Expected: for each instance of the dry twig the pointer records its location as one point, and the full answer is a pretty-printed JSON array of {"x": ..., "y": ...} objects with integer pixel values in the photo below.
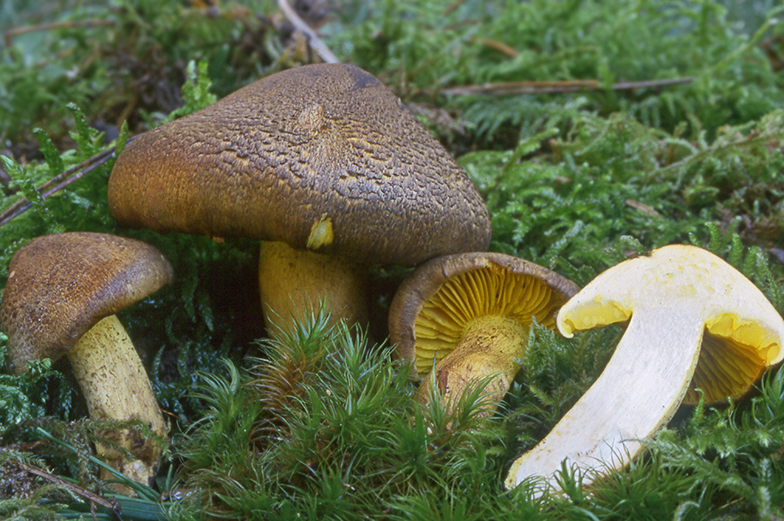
[
  {"x": 59, "y": 181},
  {"x": 552, "y": 87},
  {"x": 89, "y": 495},
  {"x": 315, "y": 42}
]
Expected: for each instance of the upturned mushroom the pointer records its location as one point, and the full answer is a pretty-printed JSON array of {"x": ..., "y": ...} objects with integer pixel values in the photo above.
[
  {"x": 694, "y": 323},
  {"x": 465, "y": 318},
  {"x": 325, "y": 165},
  {"x": 62, "y": 294}
]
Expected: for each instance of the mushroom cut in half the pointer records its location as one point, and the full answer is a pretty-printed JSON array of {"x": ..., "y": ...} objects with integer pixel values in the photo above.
[
  {"x": 322, "y": 163},
  {"x": 62, "y": 294},
  {"x": 464, "y": 319},
  {"x": 693, "y": 323}
]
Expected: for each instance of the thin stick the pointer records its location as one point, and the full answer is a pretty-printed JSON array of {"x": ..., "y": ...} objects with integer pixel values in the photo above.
[
  {"x": 454, "y": 5},
  {"x": 548, "y": 87},
  {"x": 631, "y": 85},
  {"x": 315, "y": 42},
  {"x": 60, "y": 181},
  {"x": 50, "y": 26},
  {"x": 500, "y": 47},
  {"x": 89, "y": 495}
]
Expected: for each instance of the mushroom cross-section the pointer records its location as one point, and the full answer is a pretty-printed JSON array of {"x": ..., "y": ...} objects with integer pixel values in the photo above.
[
  {"x": 465, "y": 318},
  {"x": 324, "y": 164},
  {"x": 62, "y": 294},
  {"x": 694, "y": 322}
]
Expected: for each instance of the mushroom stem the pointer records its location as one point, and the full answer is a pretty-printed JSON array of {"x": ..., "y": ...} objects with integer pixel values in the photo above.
[
  {"x": 637, "y": 393},
  {"x": 115, "y": 386},
  {"x": 294, "y": 282},
  {"x": 491, "y": 347}
]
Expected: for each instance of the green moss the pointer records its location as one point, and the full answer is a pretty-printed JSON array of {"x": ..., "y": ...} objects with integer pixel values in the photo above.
[{"x": 319, "y": 422}]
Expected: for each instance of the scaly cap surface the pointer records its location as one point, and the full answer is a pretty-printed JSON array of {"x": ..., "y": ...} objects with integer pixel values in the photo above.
[
  {"x": 60, "y": 285},
  {"x": 321, "y": 157}
]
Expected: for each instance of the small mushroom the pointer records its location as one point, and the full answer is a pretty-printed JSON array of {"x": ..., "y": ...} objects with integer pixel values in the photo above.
[
  {"x": 325, "y": 165},
  {"x": 465, "y": 318},
  {"x": 60, "y": 299},
  {"x": 694, "y": 322}
]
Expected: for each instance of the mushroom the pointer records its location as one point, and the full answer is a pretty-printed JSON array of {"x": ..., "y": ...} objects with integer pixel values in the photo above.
[
  {"x": 61, "y": 297},
  {"x": 325, "y": 165},
  {"x": 694, "y": 322},
  {"x": 465, "y": 318}
]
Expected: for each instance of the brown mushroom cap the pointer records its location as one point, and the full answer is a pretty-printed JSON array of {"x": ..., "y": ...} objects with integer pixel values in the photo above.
[
  {"x": 321, "y": 157},
  {"x": 433, "y": 307},
  {"x": 60, "y": 285}
]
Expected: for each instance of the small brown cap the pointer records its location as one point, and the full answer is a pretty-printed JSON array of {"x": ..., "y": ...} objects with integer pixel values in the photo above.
[
  {"x": 59, "y": 286},
  {"x": 434, "y": 305},
  {"x": 321, "y": 157}
]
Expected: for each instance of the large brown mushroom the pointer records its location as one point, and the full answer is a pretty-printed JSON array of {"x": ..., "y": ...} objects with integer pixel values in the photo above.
[
  {"x": 324, "y": 164},
  {"x": 464, "y": 319},
  {"x": 62, "y": 294}
]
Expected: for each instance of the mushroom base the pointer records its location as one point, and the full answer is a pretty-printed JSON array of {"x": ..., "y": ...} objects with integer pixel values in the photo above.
[
  {"x": 115, "y": 387},
  {"x": 488, "y": 353},
  {"x": 294, "y": 283}
]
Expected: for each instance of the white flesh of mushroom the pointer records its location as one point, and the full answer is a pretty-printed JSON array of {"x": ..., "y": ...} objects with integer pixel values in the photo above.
[{"x": 671, "y": 297}]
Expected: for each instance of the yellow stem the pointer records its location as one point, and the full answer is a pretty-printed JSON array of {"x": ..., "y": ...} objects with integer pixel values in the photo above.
[
  {"x": 115, "y": 386},
  {"x": 294, "y": 283},
  {"x": 491, "y": 347}
]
